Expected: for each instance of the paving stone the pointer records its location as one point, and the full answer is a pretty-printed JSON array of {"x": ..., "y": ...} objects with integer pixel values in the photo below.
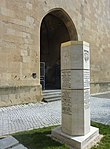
[
  {"x": 100, "y": 110},
  {"x": 24, "y": 117},
  {"x": 8, "y": 142}
]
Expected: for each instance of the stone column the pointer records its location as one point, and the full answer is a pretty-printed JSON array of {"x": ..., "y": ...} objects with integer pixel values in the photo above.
[
  {"x": 75, "y": 76},
  {"x": 75, "y": 87}
]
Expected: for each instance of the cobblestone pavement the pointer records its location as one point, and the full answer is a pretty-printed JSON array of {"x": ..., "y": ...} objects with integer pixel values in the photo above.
[
  {"x": 26, "y": 117},
  {"x": 100, "y": 110}
]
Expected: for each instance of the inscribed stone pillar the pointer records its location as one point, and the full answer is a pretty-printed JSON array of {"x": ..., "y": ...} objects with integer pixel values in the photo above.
[
  {"x": 75, "y": 85},
  {"x": 75, "y": 129}
]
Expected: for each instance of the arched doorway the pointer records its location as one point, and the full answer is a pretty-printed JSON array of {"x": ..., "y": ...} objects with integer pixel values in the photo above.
[{"x": 56, "y": 28}]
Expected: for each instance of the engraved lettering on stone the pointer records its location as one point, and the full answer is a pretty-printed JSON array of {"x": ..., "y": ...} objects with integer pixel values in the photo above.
[
  {"x": 87, "y": 99},
  {"x": 66, "y": 57},
  {"x": 86, "y": 78},
  {"x": 66, "y": 103},
  {"x": 66, "y": 79}
]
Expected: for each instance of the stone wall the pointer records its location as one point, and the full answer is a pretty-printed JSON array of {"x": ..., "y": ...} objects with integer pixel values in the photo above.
[
  {"x": 17, "y": 95},
  {"x": 92, "y": 22},
  {"x": 19, "y": 53},
  {"x": 20, "y": 22}
]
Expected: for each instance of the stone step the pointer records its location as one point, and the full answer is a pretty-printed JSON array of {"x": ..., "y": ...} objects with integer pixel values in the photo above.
[
  {"x": 52, "y": 99},
  {"x": 19, "y": 146},
  {"x": 10, "y": 143},
  {"x": 51, "y": 95},
  {"x": 52, "y": 91}
]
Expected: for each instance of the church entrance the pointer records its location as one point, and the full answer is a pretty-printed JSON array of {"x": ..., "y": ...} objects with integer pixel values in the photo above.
[{"x": 56, "y": 28}]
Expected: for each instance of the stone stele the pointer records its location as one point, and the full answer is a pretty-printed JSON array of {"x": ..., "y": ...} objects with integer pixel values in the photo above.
[{"x": 75, "y": 130}]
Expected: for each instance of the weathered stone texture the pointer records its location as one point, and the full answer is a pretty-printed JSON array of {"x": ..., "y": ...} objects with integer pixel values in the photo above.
[
  {"x": 20, "y": 22},
  {"x": 17, "y": 95}
]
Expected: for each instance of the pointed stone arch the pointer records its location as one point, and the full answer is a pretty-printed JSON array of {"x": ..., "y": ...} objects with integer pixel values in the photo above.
[{"x": 56, "y": 27}]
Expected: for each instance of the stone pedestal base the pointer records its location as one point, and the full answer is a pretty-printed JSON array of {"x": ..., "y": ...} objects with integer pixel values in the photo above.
[{"x": 77, "y": 142}]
